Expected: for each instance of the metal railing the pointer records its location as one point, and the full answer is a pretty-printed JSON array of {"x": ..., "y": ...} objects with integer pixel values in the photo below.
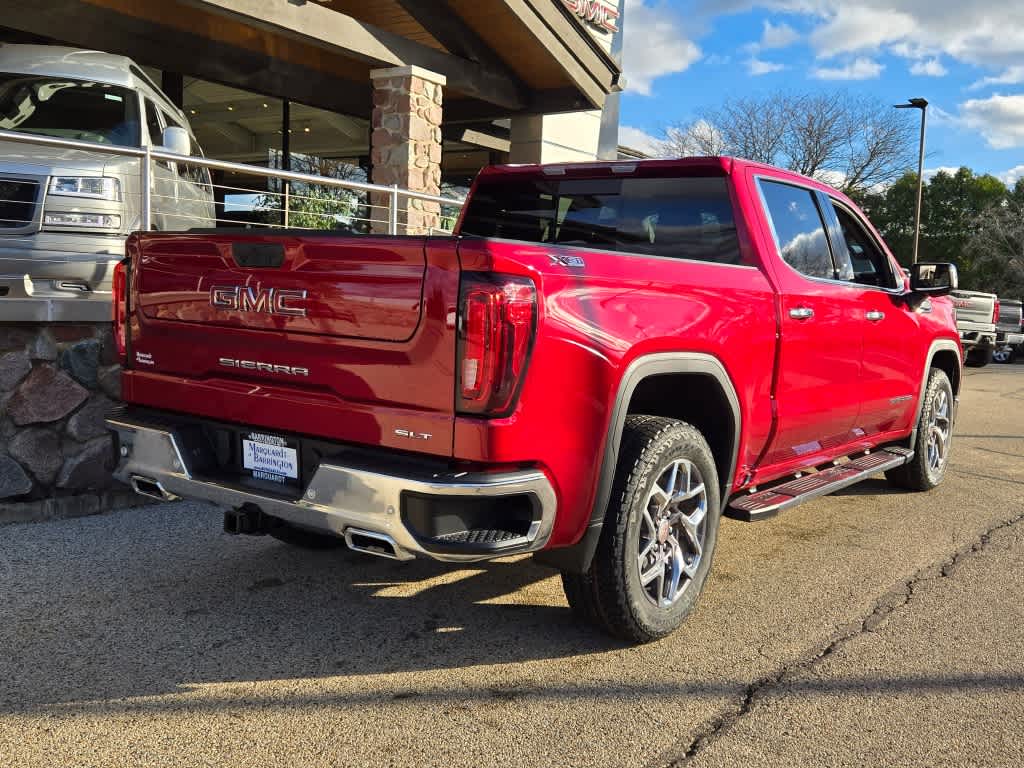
[{"x": 304, "y": 201}]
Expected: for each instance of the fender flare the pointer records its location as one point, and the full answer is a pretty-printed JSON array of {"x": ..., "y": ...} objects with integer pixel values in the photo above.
[
  {"x": 577, "y": 558},
  {"x": 938, "y": 345}
]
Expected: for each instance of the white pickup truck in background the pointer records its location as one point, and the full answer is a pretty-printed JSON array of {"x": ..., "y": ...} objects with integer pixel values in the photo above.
[
  {"x": 976, "y": 316},
  {"x": 1009, "y": 331}
]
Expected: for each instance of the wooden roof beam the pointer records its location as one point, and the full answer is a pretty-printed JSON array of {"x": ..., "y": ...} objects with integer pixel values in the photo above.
[{"x": 342, "y": 34}]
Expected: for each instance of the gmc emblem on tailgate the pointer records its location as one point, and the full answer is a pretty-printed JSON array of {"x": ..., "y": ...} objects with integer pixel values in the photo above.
[{"x": 267, "y": 301}]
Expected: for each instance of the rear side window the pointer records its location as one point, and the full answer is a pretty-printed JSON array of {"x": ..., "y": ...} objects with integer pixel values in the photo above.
[
  {"x": 799, "y": 230},
  {"x": 681, "y": 217}
]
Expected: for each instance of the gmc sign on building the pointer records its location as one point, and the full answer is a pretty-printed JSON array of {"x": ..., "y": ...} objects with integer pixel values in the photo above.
[{"x": 595, "y": 13}]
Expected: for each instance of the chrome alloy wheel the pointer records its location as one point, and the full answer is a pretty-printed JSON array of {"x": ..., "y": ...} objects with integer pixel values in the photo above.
[
  {"x": 672, "y": 533},
  {"x": 939, "y": 429}
]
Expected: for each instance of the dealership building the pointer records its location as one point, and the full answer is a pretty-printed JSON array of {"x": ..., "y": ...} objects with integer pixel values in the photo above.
[{"x": 412, "y": 91}]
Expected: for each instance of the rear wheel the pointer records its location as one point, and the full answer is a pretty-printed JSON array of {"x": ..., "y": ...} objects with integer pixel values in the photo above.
[
  {"x": 978, "y": 358},
  {"x": 1004, "y": 354},
  {"x": 934, "y": 438},
  {"x": 658, "y": 537}
]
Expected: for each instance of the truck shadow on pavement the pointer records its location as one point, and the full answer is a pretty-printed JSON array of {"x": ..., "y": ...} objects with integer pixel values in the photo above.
[{"x": 142, "y": 602}]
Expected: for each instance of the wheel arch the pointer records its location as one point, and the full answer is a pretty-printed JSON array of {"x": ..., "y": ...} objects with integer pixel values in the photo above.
[
  {"x": 643, "y": 388},
  {"x": 944, "y": 354}
]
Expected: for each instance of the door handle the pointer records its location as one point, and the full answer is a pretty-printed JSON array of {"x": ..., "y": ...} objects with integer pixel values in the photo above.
[
  {"x": 874, "y": 315},
  {"x": 801, "y": 313}
]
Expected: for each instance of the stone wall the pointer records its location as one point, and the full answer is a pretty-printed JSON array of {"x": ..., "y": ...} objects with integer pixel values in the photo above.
[{"x": 57, "y": 383}]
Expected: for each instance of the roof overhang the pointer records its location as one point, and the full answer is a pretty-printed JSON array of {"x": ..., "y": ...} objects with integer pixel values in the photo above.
[{"x": 500, "y": 57}]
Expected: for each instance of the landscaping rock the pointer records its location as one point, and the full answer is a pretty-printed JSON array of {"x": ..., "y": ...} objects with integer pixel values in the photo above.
[
  {"x": 90, "y": 420},
  {"x": 110, "y": 381},
  {"x": 82, "y": 361},
  {"x": 13, "y": 480},
  {"x": 67, "y": 332},
  {"x": 108, "y": 350},
  {"x": 16, "y": 337},
  {"x": 38, "y": 450},
  {"x": 14, "y": 366},
  {"x": 43, "y": 347},
  {"x": 45, "y": 395},
  {"x": 90, "y": 469}
]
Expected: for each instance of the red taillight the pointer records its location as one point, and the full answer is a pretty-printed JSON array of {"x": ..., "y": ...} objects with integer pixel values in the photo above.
[
  {"x": 120, "y": 307},
  {"x": 995, "y": 312},
  {"x": 498, "y": 316}
]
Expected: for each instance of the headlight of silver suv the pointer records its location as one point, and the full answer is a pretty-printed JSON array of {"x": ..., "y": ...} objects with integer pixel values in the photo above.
[{"x": 95, "y": 187}]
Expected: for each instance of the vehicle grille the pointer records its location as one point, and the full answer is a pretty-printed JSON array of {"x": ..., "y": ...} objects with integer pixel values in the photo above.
[{"x": 17, "y": 203}]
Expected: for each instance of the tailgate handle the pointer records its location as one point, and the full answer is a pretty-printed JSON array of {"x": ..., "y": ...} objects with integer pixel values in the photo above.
[{"x": 258, "y": 254}]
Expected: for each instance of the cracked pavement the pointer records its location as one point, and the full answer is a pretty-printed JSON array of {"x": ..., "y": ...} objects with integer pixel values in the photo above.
[{"x": 870, "y": 626}]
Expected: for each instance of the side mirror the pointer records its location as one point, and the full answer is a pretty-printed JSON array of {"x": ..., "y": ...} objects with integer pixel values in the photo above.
[
  {"x": 177, "y": 140},
  {"x": 936, "y": 279}
]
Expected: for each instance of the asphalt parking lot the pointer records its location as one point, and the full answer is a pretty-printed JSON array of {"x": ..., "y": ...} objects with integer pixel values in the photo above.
[{"x": 871, "y": 627}]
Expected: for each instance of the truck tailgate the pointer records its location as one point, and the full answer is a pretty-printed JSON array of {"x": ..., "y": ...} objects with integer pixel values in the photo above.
[
  {"x": 345, "y": 338},
  {"x": 973, "y": 307}
]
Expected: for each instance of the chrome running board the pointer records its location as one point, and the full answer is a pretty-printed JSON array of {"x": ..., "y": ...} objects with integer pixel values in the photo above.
[{"x": 770, "y": 501}]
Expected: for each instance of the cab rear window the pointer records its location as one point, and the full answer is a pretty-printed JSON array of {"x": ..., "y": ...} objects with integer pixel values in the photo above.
[{"x": 682, "y": 217}]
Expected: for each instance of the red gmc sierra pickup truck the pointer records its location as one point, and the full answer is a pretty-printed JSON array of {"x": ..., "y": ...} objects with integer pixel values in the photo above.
[{"x": 603, "y": 360}]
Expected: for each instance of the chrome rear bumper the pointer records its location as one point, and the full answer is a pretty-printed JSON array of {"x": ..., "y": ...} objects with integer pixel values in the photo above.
[{"x": 154, "y": 460}]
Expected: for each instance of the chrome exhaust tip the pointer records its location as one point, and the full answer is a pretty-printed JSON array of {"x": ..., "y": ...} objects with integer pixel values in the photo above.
[
  {"x": 372, "y": 543},
  {"x": 145, "y": 486}
]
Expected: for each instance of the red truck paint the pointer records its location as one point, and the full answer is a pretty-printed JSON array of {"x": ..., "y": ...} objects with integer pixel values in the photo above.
[{"x": 378, "y": 339}]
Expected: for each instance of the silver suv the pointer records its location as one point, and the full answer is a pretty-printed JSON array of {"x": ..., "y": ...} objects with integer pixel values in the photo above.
[{"x": 65, "y": 213}]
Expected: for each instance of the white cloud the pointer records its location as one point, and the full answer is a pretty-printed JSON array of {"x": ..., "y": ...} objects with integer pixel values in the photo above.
[
  {"x": 1000, "y": 119},
  {"x": 655, "y": 44},
  {"x": 855, "y": 28},
  {"x": 756, "y": 67},
  {"x": 1009, "y": 76},
  {"x": 928, "y": 68},
  {"x": 987, "y": 34},
  {"x": 778, "y": 35},
  {"x": 634, "y": 138},
  {"x": 859, "y": 69},
  {"x": 1012, "y": 176},
  {"x": 931, "y": 173}
]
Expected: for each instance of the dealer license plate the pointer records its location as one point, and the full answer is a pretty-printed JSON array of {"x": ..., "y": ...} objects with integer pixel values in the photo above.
[{"x": 270, "y": 457}]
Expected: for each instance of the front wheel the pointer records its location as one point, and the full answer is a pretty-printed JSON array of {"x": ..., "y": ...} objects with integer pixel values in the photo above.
[
  {"x": 934, "y": 438},
  {"x": 1004, "y": 354},
  {"x": 659, "y": 533}
]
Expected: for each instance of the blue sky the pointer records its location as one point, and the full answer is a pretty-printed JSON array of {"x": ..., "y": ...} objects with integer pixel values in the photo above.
[{"x": 966, "y": 57}]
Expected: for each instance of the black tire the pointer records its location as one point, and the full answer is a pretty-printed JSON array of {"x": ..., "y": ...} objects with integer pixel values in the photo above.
[
  {"x": 610, "y": 594},
  {"x": 922, "y": 473},
  {"x": 978, "y": 358},
  {"x": 304, "y": 539}
]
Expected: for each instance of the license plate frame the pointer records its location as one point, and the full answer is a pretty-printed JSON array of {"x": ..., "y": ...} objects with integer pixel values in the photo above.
[{"x": 270, "y": 458}]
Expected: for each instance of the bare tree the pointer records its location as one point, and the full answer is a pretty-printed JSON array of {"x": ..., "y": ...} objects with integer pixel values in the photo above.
[{"x": 836, "y": 137}]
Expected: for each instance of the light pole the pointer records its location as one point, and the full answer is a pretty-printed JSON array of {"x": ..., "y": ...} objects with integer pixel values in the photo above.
[{"x": 921, "y": 104}]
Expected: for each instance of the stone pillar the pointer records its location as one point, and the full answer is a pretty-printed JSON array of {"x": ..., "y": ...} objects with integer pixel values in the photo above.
[{"x": 405, "y": 144}]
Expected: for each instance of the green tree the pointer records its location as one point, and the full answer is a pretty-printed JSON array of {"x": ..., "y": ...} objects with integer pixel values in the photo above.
[{"x": 955, "y": 208}]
